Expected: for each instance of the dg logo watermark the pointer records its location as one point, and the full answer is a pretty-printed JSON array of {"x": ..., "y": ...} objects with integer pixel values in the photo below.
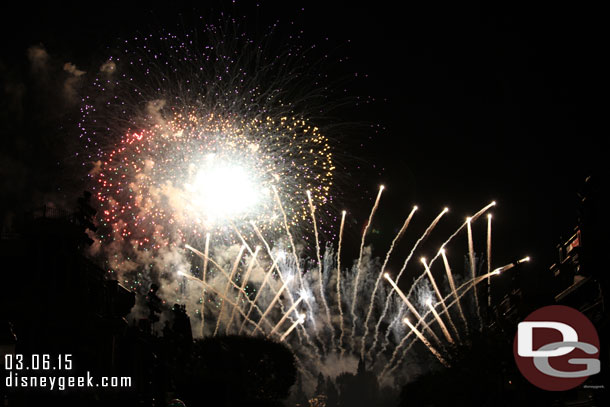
[{"x": 557, "y": 348}]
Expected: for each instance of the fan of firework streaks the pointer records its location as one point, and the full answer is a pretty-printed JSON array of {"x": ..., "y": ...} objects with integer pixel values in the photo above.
[{"x": 331, "y": 316}]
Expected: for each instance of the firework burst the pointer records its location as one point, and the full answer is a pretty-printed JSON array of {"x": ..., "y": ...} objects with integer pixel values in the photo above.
[
  {"x": 202, "y": 133},
  {"x": 209, "y": 171},
  {"x": 191, "y": 175}
]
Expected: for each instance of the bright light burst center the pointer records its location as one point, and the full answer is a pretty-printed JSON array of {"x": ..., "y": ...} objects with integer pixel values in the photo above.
[{"x": 223, "y": 190}]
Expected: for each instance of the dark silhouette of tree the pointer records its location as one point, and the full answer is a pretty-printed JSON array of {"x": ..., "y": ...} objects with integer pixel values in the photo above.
[
  {"x": 299, "y": 396},
  {"x": 361, "y": 389},
  {"x": 321, "y": 386},
  {"x": 154, "y": 304},
  {"x": 84, "y": 217},
  {"x": 332, "y": 395},
  {"x": 361, "y": 367},
  {"x": 237, "y": 371}
]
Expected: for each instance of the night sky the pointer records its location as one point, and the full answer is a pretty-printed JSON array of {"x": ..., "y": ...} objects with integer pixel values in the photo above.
[{"x": 478, "y": 102}]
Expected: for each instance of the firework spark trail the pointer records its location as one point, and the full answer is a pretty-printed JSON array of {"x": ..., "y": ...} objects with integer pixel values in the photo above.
[
  {"x": 222, "y": 270},
  {"x": 508, "y": 266},
  {"x": 473, "y": 218},
  {"x": 241, "y": 237},
  {"x": 285, "y": 316},
  {"x": 281, "y": 277},
  {"x": 197, "y": 252},
  {"x": 473, "y": 271},
  {"x": 244, "y": 282},
  {"x": 428, "y": 345},
  {"x": 388, "y": 369},
  {"x": 438, "y": 294},
  {"x": 274, "y": 300},
  {"x": 235, "y": 306},
  {"x": 382, "y": 270},
  {"x": 489, "y": 260},
  {"x": 466, "y": 286},
  {"x": 441, "y": 251},
  {"x": 358, "y": 266},
  {"x": 228, "y": 286},
  {"x": 202, "y": 256},
  {"x": 269, "y": 252},
  {"x": 320, "y": 276},
  {"x": 453, "y": 290},
  {"x": 293, "y": 326},
  {"x": 386, "y": 341},
  {"x": 227, "y": 276},
  {"x": 440, "y": 322},
  {"x": 422, "y": 238},
  {"x": 298, "y": 268},
  {"x": 278, "y": 293},
  {"x": 411, "y": 307},
  {"x": 380, "y": 320},
  {"x": 258, "y": 293},
  {"x": 203, "y": 277},
  {"x": 340, "y": 346},
  {"x": 290, "y": 238}
]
